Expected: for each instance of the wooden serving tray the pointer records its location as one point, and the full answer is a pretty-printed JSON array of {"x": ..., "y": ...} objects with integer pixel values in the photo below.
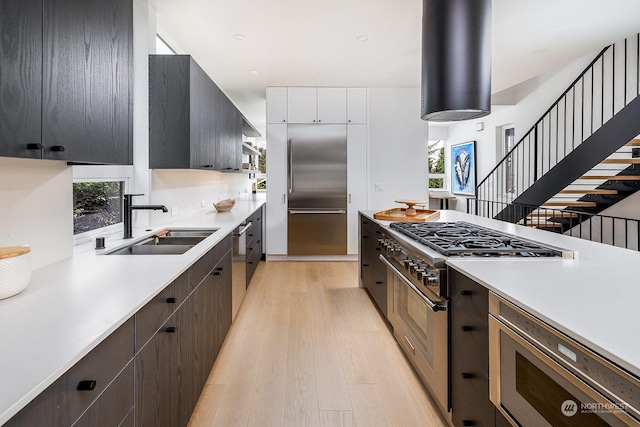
[{"x": 398, "y": 214}]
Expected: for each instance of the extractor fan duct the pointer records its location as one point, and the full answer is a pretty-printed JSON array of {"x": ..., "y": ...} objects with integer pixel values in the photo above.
[{"x": 456, "y": 59}]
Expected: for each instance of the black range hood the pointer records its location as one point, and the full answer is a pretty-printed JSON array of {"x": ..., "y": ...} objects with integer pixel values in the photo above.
[{"x": 456, "y": 59}]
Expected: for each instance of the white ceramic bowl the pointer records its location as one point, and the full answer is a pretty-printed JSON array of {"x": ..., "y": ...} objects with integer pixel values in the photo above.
[{"x": 15, "y": 270}]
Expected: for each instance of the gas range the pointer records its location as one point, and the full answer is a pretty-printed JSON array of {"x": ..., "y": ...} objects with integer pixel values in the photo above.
[{"x": 465, "y": 239}]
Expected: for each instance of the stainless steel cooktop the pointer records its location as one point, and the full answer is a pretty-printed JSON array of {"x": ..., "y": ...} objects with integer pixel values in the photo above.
[{"x": 465, "y": 239}]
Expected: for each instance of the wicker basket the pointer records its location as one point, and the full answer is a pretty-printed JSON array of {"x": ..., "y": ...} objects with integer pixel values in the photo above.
[{"x": 15, "y": 270}]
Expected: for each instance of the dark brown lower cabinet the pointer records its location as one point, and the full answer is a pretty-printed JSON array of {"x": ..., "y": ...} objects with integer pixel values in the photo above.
[
  {"x": 210, "y": 315},
  {"x": 114, "y": 405},
  {"x": 162, "y": 375},
  {"x": 469, "y": 383}
]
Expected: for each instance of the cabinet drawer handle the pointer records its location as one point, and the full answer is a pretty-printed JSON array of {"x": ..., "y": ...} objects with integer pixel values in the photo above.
[
  {"x": 379, "y": 282},
  {"x": 468, "y": 423},
  {"x": 219, "y": 268},
  {"x": 249, "y": 262},
  {"x": 465, "y": 293},
  {"x": 467, "y": 375},
  {"x": 170, "y": 329},
  {"x": 413, "y": 349},
  {"x": 216, "y": 273},
  {"x": 467, "y": 328},
  {"x": 365, "y": 265},
  {"x": 171, "y": 300},
  {"x": 57, "y": 148},
  {"x": 86, "y": 385},
  {"x": 34, "y": 146}
]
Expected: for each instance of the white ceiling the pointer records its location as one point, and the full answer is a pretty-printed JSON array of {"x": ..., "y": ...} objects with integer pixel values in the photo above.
[{"x": 314, "y": 43}]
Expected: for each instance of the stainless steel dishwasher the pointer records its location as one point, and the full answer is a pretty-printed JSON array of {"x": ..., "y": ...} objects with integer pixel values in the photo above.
[{"x": 239, "y": 266}]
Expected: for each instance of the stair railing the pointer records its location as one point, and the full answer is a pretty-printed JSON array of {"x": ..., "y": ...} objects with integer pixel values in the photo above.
[
  {"x": 591, "y": 100},
  {"x": 610, "y": 230}
]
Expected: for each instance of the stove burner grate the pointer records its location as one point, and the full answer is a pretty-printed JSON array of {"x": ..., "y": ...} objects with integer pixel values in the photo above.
[{"x": 464, "y": 239}]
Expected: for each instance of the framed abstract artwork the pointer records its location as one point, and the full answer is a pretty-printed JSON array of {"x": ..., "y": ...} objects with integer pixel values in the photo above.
[{"x": 463, "y": 168}]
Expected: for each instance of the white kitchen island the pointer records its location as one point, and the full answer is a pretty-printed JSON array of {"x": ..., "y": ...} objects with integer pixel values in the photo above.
[{"x": 592, "y": 298}]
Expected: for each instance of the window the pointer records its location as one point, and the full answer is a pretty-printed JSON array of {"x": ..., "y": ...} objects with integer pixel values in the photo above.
[
  {"x": 96, "y": 205},
  {"x": 509, "y": 139},
  {"x": 97, "y": 200},
  {"x": 436, "y": 162},
  {"x": 162, "y": 48}
]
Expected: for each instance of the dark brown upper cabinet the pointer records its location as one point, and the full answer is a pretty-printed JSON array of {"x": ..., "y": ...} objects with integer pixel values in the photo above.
[
  {"x": 20, "y": 78},
  {"x": 192, "y": 123},
  {"x": 67, "y": 92}
]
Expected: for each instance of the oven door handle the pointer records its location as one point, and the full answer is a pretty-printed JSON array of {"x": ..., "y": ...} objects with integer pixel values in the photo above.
[{"x": 432, "y": 305}]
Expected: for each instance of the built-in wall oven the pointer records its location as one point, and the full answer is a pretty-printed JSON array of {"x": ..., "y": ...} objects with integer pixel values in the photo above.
[
  {"x": 418, "y": 313},
  {"x": 540, "y": 377}
]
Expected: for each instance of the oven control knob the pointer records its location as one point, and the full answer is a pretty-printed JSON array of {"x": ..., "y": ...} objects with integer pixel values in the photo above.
[
  {"x": 431, "y": 280},
  {"x": 420, "y": 274},
  {"x": 407, "y": 263}
]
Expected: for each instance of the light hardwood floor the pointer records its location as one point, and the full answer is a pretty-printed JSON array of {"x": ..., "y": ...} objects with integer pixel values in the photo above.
[{"x": 308, "y": 348}]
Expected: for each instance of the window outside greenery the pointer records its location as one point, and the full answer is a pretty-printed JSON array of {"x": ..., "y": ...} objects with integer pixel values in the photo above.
[
  {"x": 96, "y": 205},
  {"x": 436, "y": 159}
]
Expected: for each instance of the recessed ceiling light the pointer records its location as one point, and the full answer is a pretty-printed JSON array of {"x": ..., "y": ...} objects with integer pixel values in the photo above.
[
  {"x": 239, "y": 36},
  {"x": 254, "y": 72},
  {"x": 363, "y": 38}
]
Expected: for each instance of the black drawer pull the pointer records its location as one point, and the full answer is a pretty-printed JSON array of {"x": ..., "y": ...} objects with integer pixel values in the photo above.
[
  {"x": 219, "y": 268},
  {"x": 249, "y": 262},
  {"x": 171, "y": 300},
  {"x": 465, "y": 293},
  {"x": 57, "y": 148},
  {"x": 87, "y": 385},
  {"x": 365, "y": 265},
  {"x": 216, "y": 273},
  {"x": 379, "y": 282},
  {"x": 250, "y": 235},
  {"x": 170, "y": 329},
  {"x": 365, "y": 237},
  {"x": 468, "y": 423},
  {"x": 467, "y": 375},
  {"x": 466, "y": 328},
  {"x": 34, "y": 146}
]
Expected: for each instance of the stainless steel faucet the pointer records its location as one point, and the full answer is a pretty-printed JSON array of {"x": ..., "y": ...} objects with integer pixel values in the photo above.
[{"x": 128, "y": 209}]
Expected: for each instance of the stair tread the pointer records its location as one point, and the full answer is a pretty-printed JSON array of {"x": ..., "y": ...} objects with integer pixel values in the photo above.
[
  {"x": 571, "y": 203},
  {"x": 612, "y": 178},
  {"x": 541, "y": 224},
  {"x": 621, "y": 161},
  {"x": 553, "y": 214},
  {"x": 633, "y": 143},
  {"x": 595, "y": 191}
]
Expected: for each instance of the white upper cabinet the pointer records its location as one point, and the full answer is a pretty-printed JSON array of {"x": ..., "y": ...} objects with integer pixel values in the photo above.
[
  {"x": 316, "y": 105},
  {"x": 332, "y": 105},
  {"x": 302, "y": 104},
  {"x": 276, "y": 105},
  {"x": 357, "y": 105}
]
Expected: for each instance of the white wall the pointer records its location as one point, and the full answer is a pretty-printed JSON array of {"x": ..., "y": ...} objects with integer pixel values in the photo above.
[
  {"x": 398, "y": 141},
  {"x": 189, "y": 189},
  {"x": 36, "y": 208},
  {"x": 523, "y": 115}
]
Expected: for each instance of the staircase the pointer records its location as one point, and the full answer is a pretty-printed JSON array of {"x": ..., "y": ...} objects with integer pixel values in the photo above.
[
  {"x": 609, "y": 182},
  {"x": 578, "y": 159}
]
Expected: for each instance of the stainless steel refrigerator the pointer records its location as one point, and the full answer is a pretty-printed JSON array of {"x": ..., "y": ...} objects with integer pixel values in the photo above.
[{"x": 317, "y": 174}]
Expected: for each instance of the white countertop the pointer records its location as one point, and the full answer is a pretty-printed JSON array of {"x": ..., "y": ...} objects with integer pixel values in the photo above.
[
  {"x": 70, "y": 306},
  {"x": 594, "y": 298}
]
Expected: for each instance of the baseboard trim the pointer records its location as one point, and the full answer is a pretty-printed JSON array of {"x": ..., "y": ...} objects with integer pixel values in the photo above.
[{"x": 350, "y": 258}]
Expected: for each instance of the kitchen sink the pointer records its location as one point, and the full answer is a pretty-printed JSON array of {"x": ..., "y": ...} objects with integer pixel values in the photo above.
[{"x": 166, "y": 242}]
